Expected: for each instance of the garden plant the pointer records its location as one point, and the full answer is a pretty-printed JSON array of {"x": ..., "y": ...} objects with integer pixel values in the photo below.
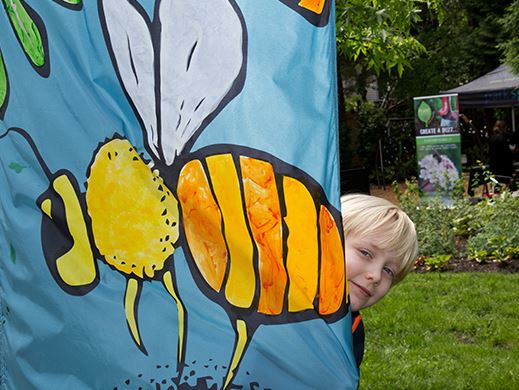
[{"x": 463, "y": 232}]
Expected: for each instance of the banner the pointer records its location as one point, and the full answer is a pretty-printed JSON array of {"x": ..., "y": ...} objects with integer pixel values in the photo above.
[
  {"x": 438, "y": 143},
  {"x": 164, "y": 220}
]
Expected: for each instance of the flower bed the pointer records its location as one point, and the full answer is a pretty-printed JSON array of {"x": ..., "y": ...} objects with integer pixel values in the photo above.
[{"x": 463, "y": 236}]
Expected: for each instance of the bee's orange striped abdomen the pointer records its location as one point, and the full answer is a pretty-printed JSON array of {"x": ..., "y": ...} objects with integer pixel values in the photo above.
[
  {"x": 202, "y": 224},
  {"x": 261, "y": 239},
  {"x": 302, "y": 245},
  {"x": 241, "y": 282},
  {"x": 264, "y": 213},
  {"x": 332, "y": 273}
]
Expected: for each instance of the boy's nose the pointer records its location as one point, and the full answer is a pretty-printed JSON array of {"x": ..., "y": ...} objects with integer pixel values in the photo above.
[{"x": 374, "y": 275}]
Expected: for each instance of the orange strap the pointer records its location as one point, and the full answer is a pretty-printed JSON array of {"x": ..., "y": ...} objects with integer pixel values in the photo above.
[{"x": 356, "y": 323}]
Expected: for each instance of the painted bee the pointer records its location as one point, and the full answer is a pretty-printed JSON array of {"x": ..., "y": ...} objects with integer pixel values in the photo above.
[{"x": 260, "y": 237}]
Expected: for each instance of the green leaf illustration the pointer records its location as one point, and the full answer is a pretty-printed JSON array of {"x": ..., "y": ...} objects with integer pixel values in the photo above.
[
  {"x": 3, "y": 84},
  {"x": 27, "y": 31},
  {"x": 424, "y": 113},
  {"x": 17, "y": 167},
  {"x": 12, "y": 254}
]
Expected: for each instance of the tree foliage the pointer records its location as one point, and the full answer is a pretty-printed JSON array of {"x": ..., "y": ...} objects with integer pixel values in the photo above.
[
  {"x": 415, "y": 48},
  {"x": 463, "y": 47},
  {"x": 510, "y": 46},
  {"x": 380, "y": 34},
  {"x": 443, "y": 43}
]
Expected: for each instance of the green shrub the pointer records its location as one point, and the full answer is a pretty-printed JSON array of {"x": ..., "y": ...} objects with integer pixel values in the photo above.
[
  {"x": 490, "y": 227},
  {"x": 497, "y": 231},
  {"x": 437, "y": 262},
  {"x": 433, "y": 221}
]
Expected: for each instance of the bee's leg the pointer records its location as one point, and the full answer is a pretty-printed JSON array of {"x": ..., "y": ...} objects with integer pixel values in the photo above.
[
  {"x": 131, "y": 296},
  {"x": 182, "y": 319},
  {"x": 243, "y": 337},
  {"x": 64, "y": 235}
]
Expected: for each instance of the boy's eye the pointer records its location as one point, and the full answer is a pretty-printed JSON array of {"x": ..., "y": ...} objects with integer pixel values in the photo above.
[
  {"x": 389, "y": 271},
  {"x": 365, "y": 253}
]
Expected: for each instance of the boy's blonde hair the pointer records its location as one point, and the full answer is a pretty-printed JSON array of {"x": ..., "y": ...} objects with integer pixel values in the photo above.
[{"x": 365, "y": 214}]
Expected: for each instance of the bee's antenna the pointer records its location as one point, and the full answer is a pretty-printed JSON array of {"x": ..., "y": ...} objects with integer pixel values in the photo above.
[{"x": 34, "y": 149}]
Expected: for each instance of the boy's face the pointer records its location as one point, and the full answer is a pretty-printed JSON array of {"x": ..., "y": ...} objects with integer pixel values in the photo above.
[{"x": 370, "y": 270}]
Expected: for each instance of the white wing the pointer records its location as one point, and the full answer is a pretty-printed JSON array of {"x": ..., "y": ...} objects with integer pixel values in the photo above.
[
  {"x": 201, "y": 55},
  {"x": 132, "y": 49}
]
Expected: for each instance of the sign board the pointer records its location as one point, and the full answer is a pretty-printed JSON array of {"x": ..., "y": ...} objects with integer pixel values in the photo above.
[{"x": 438, "y": 143}]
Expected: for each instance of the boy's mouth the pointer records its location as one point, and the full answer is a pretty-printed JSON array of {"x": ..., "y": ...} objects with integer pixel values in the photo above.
[{"x": 364, "y": 290}]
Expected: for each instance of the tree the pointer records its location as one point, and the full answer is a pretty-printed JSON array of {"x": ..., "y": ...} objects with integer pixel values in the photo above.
[
  {"x": 380, "y": 34},
  {"x": 373, "y": 37},
  {"x": 510, "y": 46},
  {"x": 415, "y": 48},
  {"x": 460, "y": 49}
]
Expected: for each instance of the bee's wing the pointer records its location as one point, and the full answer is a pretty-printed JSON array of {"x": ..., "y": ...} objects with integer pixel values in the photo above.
[
  {"x": 201, "y": 59},
  {"x": 128, "y": 35}
]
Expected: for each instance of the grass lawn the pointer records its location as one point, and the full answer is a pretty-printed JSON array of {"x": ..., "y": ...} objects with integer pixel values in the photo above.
[{"x": 444, "y": 331}]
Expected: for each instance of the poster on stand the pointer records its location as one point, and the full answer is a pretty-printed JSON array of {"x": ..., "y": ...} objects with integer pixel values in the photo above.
[{"x": 438, "y": 143}]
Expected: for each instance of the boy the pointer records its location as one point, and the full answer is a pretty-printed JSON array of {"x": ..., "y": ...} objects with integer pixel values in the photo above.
[{"x": 381, "y": 247}]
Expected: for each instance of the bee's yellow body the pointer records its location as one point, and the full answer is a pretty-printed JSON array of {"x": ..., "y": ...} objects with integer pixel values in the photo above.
[{"x": 134, "y": 215}]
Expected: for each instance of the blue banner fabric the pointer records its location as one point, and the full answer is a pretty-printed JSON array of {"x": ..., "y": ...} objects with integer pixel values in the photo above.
[{"x": 169, "y": 196}]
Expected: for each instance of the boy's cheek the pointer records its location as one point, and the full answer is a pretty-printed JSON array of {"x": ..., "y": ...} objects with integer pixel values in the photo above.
[
  {"x": 382, "y": 294},
  {"x": 354, "y": 304}
]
